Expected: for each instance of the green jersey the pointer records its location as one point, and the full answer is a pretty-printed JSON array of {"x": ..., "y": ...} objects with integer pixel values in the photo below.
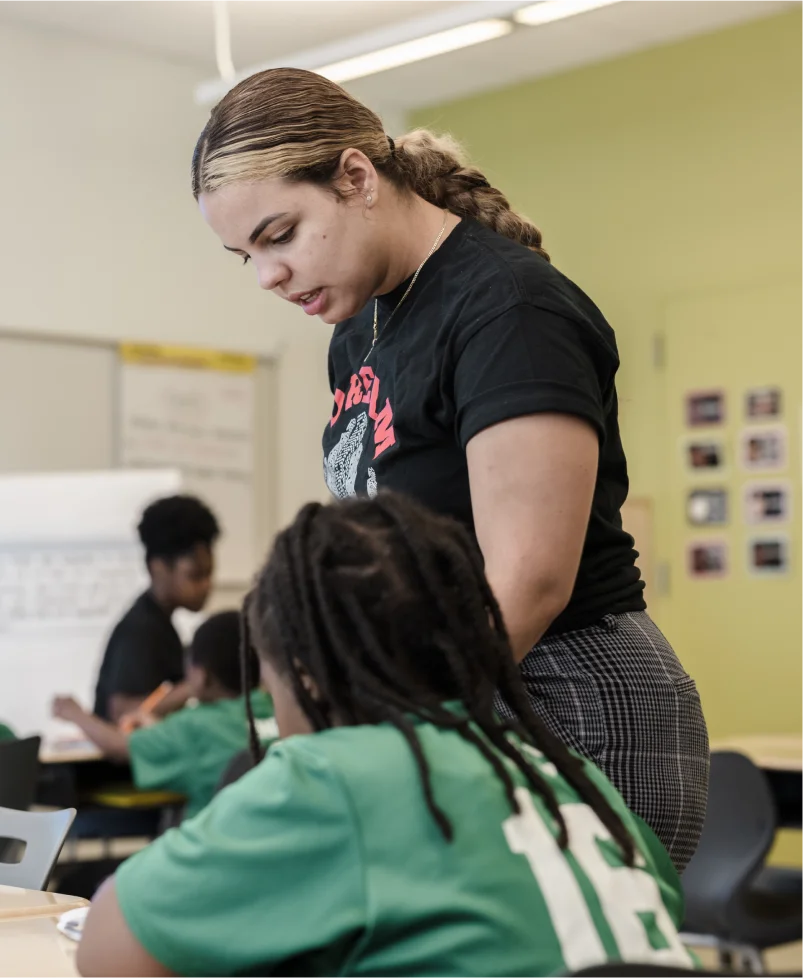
[
  {"x": 190, "y": 749},
  {"x": 325, "y": 860},
  {"x": 6, "y": 733}
]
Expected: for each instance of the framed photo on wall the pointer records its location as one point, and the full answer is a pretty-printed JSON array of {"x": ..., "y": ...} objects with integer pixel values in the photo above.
[
  {"x": 767, "y": 502},
  {"x": 768, "y": 555},
  {"x": 707, "y": 558},
  {"x": 764, "y": 449},
  {"x": 704, "y": 455},
  {"x": 705, "y": 408},
  {"x": 707, "y": 507},
  {"x": 762, "y": 404}
]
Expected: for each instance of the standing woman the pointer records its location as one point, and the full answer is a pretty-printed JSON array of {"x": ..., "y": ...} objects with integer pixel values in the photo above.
[{"x": 471, "y": 374}]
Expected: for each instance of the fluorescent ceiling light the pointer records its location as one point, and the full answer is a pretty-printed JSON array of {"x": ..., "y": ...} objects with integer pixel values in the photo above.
[
  {"x": 417, "y": 50},
  {"x": 458, "y": 26},
  {"x": 549, "y": 10}
]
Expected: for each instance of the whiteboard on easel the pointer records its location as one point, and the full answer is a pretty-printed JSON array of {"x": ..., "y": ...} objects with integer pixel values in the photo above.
[
  {"x": 70, "y": 566},
  {"x": 194, "y": 409}
]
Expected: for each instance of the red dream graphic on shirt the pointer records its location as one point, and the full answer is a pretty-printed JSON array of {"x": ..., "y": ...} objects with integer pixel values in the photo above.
[{"x": 364, "y": 389}]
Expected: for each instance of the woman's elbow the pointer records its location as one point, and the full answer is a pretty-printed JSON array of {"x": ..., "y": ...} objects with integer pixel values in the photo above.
[
  {"x": 536, "y": 596},
  {"x": 550, "y": 597}
]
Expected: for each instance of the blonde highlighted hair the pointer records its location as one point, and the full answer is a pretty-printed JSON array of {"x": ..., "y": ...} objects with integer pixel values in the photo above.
[{"x": 286, "y": 122}]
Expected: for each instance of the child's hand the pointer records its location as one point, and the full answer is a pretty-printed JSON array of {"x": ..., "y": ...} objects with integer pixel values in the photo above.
[
  {"x": 67, "y": 708},
  {"x": 135, "y": 720}
]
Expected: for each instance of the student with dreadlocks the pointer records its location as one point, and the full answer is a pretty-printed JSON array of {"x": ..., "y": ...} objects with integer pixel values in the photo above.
[{"x": 399, "y": 827}]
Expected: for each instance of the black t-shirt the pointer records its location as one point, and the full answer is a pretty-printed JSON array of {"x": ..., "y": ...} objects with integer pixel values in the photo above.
[
  {"x": 490, "y": 331},
  {"x": 144, "y": 651}
]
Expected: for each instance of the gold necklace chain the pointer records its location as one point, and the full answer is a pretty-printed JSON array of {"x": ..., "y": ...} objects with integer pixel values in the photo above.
[{"x": 435, "y": 244}]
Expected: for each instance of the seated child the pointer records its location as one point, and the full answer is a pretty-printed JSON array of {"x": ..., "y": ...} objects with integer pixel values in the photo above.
[
  {"x": 178, "y": 534},
  {"x": 400, "y": 827},
  {"x": 189, "y": 750}
]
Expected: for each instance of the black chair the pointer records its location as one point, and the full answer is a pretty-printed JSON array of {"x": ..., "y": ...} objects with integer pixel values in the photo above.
[
  {"x": 735, "y": 903},
  {"x": 239, "y": 765},
  {"x": 19, "y": 770}
]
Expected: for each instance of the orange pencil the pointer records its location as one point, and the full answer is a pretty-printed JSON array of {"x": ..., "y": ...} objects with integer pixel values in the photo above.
[{"x": 150, "y": 702}]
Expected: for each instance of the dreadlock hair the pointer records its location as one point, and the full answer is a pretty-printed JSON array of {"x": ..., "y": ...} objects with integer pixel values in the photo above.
[
  {"x": 249, "y": 665},
  {"x": 386, "y": 607}
]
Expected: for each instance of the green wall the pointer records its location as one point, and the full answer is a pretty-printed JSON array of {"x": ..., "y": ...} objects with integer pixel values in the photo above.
[{"x": 668, "y": 186}]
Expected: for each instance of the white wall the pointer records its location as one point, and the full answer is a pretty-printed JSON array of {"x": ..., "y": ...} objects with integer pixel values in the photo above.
[
  {"x": 100, "y": 232},
  {"x": 101, "y": 237},
  {"x": 305, "y": 405}
]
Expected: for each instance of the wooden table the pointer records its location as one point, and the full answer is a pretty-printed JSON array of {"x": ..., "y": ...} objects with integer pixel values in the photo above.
[
  {"x": 29, "y": 941},
  {"x": 770, "y": 752},
  {"x": 77, "y": 752},
  {"x": 779, "y": 756}
]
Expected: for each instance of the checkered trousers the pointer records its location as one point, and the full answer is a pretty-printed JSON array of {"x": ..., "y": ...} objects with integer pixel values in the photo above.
[{"x": 616, "y": 693}]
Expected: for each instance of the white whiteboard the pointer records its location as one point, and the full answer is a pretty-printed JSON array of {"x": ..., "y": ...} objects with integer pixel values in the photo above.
[
  {"x": 200, "y": 420},
  {"x": 70, "y": 565},
  {"x": 59, "y": 412}
]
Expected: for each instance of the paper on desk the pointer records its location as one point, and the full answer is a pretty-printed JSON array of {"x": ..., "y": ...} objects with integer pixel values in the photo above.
[
  {"x": 60, "y": 736},
  {"x": 71, "y": 923}
]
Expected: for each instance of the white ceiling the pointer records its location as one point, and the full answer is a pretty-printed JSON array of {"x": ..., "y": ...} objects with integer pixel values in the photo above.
[
  {"x": 262, "y": 31},
  {"x": 183, "y": 30}
]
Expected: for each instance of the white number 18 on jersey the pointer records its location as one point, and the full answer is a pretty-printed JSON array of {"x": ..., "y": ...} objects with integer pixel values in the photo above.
[{"x": 629, "y": 896}]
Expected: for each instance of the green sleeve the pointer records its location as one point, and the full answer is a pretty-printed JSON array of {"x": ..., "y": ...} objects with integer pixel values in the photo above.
[
  {"x": 6, "y": 733},
  {"x": 163, "y": 756},
  {"x": 270, "y": 870}
]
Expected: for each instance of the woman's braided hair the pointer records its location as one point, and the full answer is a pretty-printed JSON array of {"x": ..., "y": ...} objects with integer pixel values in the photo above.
[{"x": 291, "y": 123}]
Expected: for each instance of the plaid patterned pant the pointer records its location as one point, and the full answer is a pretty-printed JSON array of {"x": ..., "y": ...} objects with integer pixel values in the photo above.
[{"x": 616, "y": 693}]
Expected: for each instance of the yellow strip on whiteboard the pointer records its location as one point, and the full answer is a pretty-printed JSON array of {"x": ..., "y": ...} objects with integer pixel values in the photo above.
[{"x": 155, "y": 355}]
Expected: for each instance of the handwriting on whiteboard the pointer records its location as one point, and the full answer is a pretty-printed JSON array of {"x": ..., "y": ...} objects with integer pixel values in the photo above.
[
  {"x": 201, "y": 422},
  {"x": 65, "y": 583}
]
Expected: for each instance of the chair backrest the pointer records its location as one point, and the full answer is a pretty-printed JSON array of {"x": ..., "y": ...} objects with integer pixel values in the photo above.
[
  {"x": 739, "y": 829},
  {"x": 19, "y": 769},
  {"x": 239, "y": 765},
  {"x": 44, "y": 834}
]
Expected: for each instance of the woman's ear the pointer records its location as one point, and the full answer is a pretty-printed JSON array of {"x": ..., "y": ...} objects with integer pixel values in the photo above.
[{"x": 357, "y": 176}]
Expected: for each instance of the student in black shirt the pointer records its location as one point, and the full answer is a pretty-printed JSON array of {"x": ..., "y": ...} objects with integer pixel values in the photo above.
[
  {"x": 470, "y": 373},
  {"x": 144, "y": 650}
]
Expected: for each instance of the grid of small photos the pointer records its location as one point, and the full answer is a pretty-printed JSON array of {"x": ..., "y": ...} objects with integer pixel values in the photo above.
[{"x": 764, "y": 496}]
